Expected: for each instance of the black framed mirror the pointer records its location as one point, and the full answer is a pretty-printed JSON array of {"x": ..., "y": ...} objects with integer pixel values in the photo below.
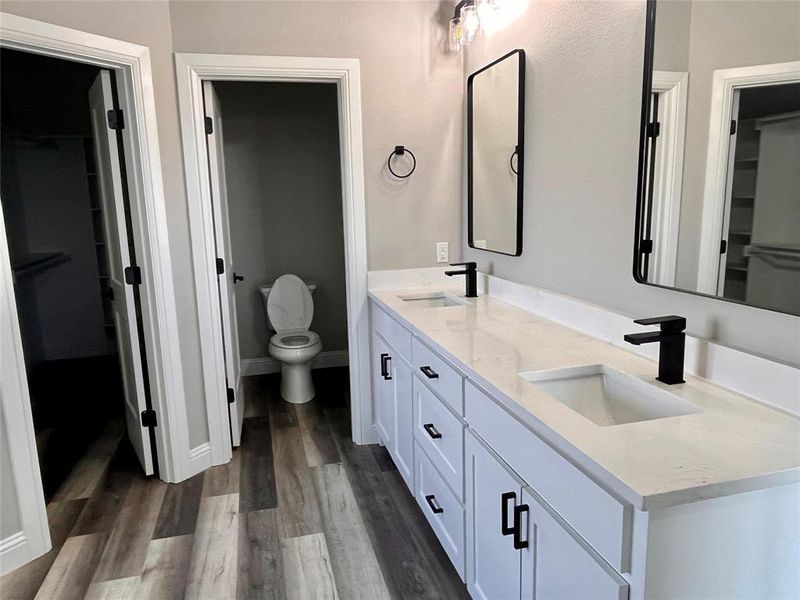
[
  {"x": 718, "y": 202},
  {"x": 495, "y": 152}
]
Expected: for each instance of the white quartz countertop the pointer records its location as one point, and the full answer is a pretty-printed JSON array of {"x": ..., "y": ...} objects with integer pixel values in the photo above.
[{"x": 734, "y": 445}]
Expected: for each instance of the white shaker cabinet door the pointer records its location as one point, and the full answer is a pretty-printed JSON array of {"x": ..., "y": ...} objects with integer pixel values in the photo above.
[
  {"x": 493, "y": 492},
  {"x": 557, "y": 563}
]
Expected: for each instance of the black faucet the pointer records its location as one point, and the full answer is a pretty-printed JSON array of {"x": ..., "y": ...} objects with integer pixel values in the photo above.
[
  {"x": 672, "y": 340},
  {"x": 471, "y": 271}
]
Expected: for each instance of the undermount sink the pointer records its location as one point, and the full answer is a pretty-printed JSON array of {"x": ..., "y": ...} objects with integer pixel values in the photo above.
[
  {"x": 434, "y": 300},
  {"x": 609, "y": 397}
]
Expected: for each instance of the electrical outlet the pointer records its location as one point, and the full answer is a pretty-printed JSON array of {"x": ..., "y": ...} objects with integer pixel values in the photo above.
[{"x": 442, "y": 252}]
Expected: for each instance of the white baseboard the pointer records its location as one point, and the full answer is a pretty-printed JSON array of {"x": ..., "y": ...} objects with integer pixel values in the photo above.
[
  {"x": 199, "y": 459},
  {"x": 266, "y": 365},
  {"x": 15, "y": 551}
]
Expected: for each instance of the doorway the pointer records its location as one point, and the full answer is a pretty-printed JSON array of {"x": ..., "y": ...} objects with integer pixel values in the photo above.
[{"x": 194, "y": 71}]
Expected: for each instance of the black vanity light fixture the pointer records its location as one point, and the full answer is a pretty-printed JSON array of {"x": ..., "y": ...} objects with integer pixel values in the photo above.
[{"x": 487, "y": 16}]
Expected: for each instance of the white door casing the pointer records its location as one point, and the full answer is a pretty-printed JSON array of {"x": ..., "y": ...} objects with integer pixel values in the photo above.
[
  {"x": 724, "y": 84},
  {"x": 112, "y": 203},
  {"x": 191, "y": 71},
  {"x": 222, "y": 236}
]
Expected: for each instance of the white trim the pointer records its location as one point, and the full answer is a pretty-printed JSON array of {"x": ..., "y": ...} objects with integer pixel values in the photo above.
[
  {"x": 131, "y": 63},
  {"x": 266, "y": 365},
  {"x": 672, "y": 88},
  {"x": 767, "y": 381},
  {"x": 200, "y": 458},
  {"x": 725, "y": 83},
  {"x": 192, "y": 70}
]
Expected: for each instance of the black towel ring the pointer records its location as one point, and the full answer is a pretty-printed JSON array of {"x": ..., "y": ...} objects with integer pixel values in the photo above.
[
  {"x": 511, "y": 160},
  {"x": 399, "y": 151}
]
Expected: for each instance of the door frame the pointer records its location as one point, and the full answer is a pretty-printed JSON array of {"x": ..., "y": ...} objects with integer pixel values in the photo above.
[
  {"x": 725, "y": 83},
  {"x": 192, "y": 70},
  {"x": 131, "y": 63},
  {"x": 672, "y": 86}
]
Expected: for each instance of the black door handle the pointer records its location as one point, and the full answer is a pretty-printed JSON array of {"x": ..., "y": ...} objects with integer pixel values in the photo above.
[
  {"x": 429, "y": 373},
  {"x": 385, "y": 358},
  {"x": 505, "y": 529},
  {"x": 432, "y": 431},
  {"x": 431, "y": 500},
  {"x": 519, "y": 543},
  {"x": 237, "y": 278}
]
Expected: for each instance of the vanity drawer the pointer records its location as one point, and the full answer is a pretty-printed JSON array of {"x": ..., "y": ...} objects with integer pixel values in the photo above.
[
  {"x": 599, "y": 518},
  {"x": 442, "y": 509},
  {"x": 393, "y": 332},
  {"x": 441, "y": 434},
  {"x": 437, "y": 373}
]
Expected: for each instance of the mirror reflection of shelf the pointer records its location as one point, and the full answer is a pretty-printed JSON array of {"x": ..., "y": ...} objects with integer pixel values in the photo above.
[{"x": 36, "y": 262}]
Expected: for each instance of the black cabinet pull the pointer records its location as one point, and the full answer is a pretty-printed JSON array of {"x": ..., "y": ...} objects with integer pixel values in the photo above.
[
  {"x": 431, "y": 500},
  {"x": 429, "y": 373},
  {"x": 432, "y": 431},
  {"x": 519, "y": 543},
  {"x": 505, "y": 528},
  {"x": 385, "y": 358}
]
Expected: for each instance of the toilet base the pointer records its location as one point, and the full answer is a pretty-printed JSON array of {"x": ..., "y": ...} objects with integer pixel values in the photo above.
[{"x": 296, "y": 384}]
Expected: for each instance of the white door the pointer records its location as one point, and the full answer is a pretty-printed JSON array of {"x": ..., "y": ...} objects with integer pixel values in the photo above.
[
  {"x": 227, "y": 283},
  {"x": 493, "y": 492},
  {"x": 112, "y": 203},
  {"x": 727, "y": 206},
  {"x": 24, "y": 534},
  {"x": 557, "y": 563}
]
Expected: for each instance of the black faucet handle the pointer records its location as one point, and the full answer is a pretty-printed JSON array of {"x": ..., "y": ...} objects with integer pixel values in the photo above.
[
  {"x": 472, "y": 265},
  {"x": 668, "y": 323}
]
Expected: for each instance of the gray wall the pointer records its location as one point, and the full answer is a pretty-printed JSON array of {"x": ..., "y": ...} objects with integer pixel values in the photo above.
[
  {"x": 282, "y": 166},
  {"x": 582, "y": 119}
]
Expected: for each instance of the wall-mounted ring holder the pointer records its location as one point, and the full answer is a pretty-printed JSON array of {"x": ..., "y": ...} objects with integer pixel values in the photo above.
[
  {"x": 400, "y": 151},
  {"x": 511, "y": 160}
]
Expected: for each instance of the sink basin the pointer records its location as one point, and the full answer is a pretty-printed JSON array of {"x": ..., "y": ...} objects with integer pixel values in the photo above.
[
  {"x": 609, "y": 397},
  {"x": 434, "y": 300}
]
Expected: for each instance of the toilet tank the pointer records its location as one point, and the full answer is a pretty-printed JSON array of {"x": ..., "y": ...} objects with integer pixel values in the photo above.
[{"x": 264, "y": 291}]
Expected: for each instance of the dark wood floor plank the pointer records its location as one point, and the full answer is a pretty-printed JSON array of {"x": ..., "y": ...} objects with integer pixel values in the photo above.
[
  {"x": 72, "y": 571},
  {"x": 129, "y": 539},
  {"x": 382, "y": 458},
  {"x": 260, "y": 563},
  {"x": 257, "y": 490},
  {"x": 24, "y": 583},
  {"x": 166, "y": 569},
  {"x": 224, "y": 479},
  {"x": 317, "y": 439},
  {"x": 256, "y": 396},
  {"x": 179, "y": 510},
  {"x": 400, "y": 548}
]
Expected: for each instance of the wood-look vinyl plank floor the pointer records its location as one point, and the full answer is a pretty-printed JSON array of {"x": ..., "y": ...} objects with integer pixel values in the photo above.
[{"x": 299, "y": 512}]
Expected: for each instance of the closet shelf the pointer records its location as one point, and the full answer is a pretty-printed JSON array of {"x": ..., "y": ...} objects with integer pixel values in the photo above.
[{"x": 36, "y": 262}]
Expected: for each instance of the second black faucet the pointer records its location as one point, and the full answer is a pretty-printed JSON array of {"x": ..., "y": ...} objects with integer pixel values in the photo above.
[{"x": 471, "y": 271}]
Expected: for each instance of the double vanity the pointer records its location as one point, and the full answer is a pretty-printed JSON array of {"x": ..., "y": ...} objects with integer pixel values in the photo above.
[{"x": 552, "y": 464}]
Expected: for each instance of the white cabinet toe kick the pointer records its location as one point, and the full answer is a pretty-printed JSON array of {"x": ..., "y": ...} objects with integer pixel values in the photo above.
[{"x": 520, "y": 520}]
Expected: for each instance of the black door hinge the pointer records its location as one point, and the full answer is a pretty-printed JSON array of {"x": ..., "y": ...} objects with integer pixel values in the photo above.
[
  {"x": 220, "y": 266},
  {"x": 646, "y": 247},
  {"x": 723, "y": 246},
  {"x": 654, "y": 129},
  {"x": 209, "y": 126},
  {"x": 231, "y": 396},
  {"x": 115, "y": 120},
  {"x": 149, "y": 418},
  {"x": 133, "y": 275},
  {"x": 733, "y": 126}
]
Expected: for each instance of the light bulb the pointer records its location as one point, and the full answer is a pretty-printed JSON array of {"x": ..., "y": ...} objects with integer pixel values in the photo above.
[
  {"x": 455, "y": 35},
  {"x": 489, "y": 15},
  {"x": 469, "y": 23}
]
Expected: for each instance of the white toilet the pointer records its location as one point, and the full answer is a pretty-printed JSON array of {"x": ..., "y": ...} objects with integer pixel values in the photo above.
[{"x": 290, "y": 310}]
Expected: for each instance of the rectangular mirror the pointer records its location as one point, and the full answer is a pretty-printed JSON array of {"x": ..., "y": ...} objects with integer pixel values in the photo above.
[
  {"x": 718, "y": 205},
  {"x": 495, "y": 150}
]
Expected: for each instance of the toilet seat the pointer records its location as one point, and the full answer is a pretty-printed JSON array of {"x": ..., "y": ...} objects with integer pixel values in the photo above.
[
  {"x": 294, "y": 339},
  {"x": 289, "y": 305}
]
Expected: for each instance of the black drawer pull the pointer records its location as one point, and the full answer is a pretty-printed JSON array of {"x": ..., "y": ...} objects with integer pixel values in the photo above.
[
  {"x": 385, "y": 358},
  {"x": 432, "y": 431},
  {"x": 505, "y": 528},
  {"x": 429, "y": 373},
  {"x": 519, "y": 543},
  {"x": 431, "y": 500}
]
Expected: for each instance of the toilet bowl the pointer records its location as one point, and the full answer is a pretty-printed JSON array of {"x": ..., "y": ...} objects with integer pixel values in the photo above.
[{"x": 290, "y": 309}]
